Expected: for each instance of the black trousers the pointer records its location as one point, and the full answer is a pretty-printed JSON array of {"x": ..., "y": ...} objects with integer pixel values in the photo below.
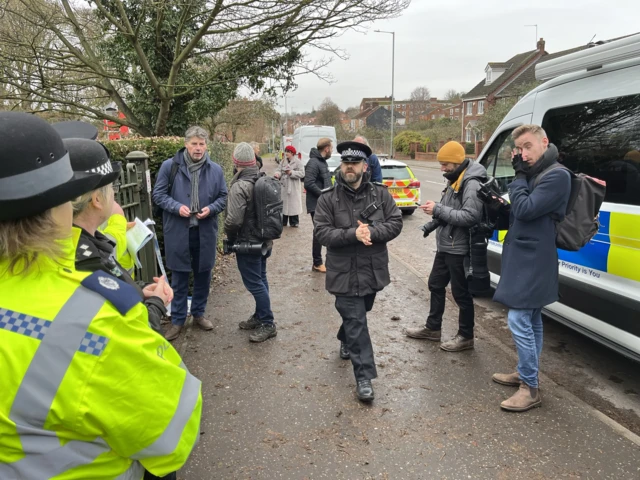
[
  {"x": 150, "y": 476},
  {"x": 316, "y": 251},
  {"x": 292, "y": 219},
  {"x": 450, "y": 268},
  {"x": 355, "y": 333}
]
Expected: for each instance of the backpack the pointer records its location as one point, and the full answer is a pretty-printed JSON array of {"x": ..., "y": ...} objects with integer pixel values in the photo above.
[
  {"x": 267, "y": 199},
  {"x": 580, "y": 223},
  {"x": 156, "y": 209}
]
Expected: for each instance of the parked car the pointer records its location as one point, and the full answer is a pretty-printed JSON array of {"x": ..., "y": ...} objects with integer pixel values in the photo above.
[
  {"x": 590, "y": 110},
  {"x": 403, "y": 185}
]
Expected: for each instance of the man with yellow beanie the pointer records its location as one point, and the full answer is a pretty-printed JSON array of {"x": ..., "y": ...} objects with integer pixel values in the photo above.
[{"x": 458, "y": 210}]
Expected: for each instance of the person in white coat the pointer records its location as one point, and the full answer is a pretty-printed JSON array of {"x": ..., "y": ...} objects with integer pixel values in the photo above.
[{"x": 290, "y": 172}]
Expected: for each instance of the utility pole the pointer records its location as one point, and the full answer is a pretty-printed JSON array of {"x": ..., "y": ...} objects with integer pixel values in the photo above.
[{"x": 393, "y": 51}]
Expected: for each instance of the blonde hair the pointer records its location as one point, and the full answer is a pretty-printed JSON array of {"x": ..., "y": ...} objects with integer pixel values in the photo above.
[
  {"x": 23, "y": 240},
  {"x": 533, "y": 129},
  {"x": 324, "y": 143},
  {"x": 81, "y": 203}
]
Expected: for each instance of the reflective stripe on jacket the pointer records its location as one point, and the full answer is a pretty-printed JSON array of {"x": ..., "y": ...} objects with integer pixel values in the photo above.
[{"x": 88, "y": 390}]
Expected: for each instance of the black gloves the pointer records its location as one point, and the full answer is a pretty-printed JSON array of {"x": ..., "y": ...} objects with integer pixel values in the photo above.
[
  {"x": 520, "y": 166},
  {"x": 429, "y": 227}
]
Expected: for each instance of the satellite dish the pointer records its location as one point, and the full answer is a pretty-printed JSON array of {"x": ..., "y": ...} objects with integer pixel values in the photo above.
[{"x": 76, "y": 129}]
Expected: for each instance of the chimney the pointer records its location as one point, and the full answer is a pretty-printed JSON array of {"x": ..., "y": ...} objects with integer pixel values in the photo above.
[{"x": 540, "y": 45}]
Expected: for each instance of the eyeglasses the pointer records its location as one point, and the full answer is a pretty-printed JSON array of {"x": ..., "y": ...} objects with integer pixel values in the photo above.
[{"x": 116, "y": 187}]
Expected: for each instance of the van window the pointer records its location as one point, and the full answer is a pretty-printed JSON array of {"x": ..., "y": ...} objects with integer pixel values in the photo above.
[
  {"x": 497, "y": 161},
  {"x": 601, "y": 139}
]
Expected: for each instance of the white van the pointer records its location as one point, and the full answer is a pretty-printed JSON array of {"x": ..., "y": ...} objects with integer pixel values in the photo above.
[
  {"x": 305, "y": 138},
  {"x": 590, "y": 109}
]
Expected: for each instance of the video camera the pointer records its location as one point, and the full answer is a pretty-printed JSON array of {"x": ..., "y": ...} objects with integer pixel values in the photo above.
[{"x": 245, "y": 248}]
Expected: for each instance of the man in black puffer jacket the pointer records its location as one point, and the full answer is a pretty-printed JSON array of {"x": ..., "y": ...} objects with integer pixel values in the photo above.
[
  {"x": 355, "y": 220},
  {"x": 316, "y": 179}
]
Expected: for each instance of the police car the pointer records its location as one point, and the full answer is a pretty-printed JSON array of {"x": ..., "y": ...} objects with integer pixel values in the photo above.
[
  {"x": 403, "y": 185},
  {"x": 590, "y": 109}
]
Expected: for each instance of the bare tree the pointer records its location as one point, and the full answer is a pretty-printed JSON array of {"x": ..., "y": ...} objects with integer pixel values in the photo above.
[
  {"x": 421, "y": 98},
  {"x": 328, "y": 113},
  {"x": 241, "y": 114},
  {"x": 166, "y": 63},
  {"x": 453, "y": 96}
]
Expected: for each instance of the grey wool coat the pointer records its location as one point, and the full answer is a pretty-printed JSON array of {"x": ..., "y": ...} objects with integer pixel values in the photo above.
[{"x": 291, "y": 186}]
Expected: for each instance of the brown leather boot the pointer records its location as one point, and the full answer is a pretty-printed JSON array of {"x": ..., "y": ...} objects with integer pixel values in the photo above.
[
  {"x": 508, "y": 379},
  {"x": 524, "y": 399},
  {"x": 173, "y": 332},
  {"x": 203, "y": 323},
  {"x": 423, "y": 333}
]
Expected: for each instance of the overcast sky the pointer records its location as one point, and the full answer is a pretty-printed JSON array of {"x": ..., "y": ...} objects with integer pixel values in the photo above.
[{"x": 445, "y": 44}]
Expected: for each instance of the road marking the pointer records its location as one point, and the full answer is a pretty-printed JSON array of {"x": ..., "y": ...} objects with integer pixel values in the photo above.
[{"x": 620, "y": 429}]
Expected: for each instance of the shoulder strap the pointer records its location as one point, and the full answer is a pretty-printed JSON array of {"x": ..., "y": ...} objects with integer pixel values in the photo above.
[
  {"x": 547, "y": 170},
  {"x": 123, "y": 296},
  {"x": 172, "y": 176}
]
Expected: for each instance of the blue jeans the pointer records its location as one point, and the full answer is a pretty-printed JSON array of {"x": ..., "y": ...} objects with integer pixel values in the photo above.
[
  {"x": 526, "y": 329},
  {"x": 253, "y": 270},
  {"x": 180, "y": 285}
]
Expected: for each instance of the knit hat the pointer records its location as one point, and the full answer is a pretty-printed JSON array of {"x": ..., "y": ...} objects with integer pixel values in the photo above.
[
  {"x": 244, "y": 156},
  {"x": 451, "y": 152},
  {"x": 291, "y": 149}
]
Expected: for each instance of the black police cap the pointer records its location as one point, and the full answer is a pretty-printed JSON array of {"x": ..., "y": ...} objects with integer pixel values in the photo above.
[
  {"x": 35, "y": 169},
  {"x": 353, "y": 151},
  {"x": 76, "y": 129},
  {"x": 92, "y": 157}
]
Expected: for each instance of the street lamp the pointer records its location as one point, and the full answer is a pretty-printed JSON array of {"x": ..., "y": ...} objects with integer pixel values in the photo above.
[{"x": 393, "y": 51}]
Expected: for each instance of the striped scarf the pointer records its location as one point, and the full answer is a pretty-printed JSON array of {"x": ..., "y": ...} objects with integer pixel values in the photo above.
[{"x": 194, "y": 169}]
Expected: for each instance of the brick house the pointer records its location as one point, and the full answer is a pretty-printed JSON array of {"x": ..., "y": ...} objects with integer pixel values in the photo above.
[
  {"x": 376, "y": 117},
  {"x": 451, "y": 111},
  {"x": 502, "y": 80}
]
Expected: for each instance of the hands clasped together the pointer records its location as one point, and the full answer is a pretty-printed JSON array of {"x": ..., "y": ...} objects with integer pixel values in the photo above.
[{"x": 363, "y": 234}]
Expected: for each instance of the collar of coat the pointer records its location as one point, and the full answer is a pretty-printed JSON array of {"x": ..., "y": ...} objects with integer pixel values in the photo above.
[
  {"x": 249, "y": 174},
  {"x": 548, "y": 158}
]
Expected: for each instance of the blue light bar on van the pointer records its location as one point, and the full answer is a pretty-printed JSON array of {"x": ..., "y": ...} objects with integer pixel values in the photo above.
[{"x": 591, "y": 58}]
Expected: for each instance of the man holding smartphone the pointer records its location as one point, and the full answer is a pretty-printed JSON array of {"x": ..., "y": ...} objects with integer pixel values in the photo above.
[
  {"x": 191, "y": 202},
  {"x": 459, "y": 209},
  {"x": 529, "y": 272}
]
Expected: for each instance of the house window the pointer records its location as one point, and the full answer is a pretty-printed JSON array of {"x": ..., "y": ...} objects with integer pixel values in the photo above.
[
  {"x": 468, "y": 136},
  {"x": 488, "y": 77},
  {"x": 480, "y": 107},
  {"x": 433, "y": 117},
  {"x": 469, "y": 108},
  {"x": 451, "y": 111}
]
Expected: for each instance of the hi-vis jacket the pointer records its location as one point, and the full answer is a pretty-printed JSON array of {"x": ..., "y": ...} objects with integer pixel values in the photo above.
[{"x": 87, "y": 389}]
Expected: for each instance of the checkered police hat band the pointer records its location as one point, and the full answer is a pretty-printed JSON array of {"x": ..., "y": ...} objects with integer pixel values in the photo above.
[
  {"x": 350, "y": 152},
  {"x": 103, "y": 169}
]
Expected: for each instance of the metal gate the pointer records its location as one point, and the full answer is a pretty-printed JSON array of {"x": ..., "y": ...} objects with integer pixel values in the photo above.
[{"x": 135, "y": 198}]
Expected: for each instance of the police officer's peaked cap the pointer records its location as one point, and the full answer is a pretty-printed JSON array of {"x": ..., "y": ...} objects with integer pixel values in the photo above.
[
  {"x": 35, "y": 169},
  {"x": 92, "y": 157},
  {"x": 76, "y": 129},
  {"x": 353, "y": 151}
]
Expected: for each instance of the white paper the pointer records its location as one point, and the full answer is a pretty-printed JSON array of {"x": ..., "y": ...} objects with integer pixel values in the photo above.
[{"x": 137, "y": 237}]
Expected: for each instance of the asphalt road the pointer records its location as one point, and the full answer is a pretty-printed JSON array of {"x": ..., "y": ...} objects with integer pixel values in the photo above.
[
  {"x": 594, "y": 373},
  {"x": 286, "y": 408}
]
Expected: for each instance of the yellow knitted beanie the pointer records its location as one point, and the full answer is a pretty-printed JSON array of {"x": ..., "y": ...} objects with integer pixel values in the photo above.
[{"x": 451, "y": 152}]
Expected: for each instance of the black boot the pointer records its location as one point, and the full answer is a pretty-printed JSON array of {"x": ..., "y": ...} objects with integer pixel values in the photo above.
[
  {"x": 344, "y": 351},
  {"x": 364, "y": 391}
]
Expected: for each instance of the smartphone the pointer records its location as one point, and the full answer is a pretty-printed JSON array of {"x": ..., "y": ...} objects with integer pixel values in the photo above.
[{"x": 195, "y": 212}]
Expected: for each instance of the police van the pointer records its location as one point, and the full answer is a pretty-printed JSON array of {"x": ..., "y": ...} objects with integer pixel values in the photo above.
[
  {"x": 306, "y": 137},
  {"x": 590, "y": 108}
]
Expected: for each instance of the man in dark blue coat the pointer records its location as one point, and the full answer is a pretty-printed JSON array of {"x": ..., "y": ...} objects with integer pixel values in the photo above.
[
  {"x": 529, "y": 275},
  {"x": 190, "y": 225},
  {"x": 373, "y": 164}
]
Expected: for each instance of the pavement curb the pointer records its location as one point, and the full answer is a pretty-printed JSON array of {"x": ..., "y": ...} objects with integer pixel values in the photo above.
[{"x": 617, "y": 427}]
